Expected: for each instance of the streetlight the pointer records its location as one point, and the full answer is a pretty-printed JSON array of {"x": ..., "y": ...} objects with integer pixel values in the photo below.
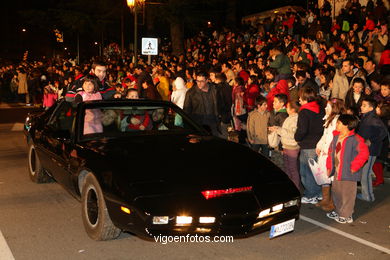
[{"x": 133, "y": 5}]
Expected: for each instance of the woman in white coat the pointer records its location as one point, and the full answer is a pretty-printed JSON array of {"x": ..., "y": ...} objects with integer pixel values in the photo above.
[{"x": 334, "y": 108}]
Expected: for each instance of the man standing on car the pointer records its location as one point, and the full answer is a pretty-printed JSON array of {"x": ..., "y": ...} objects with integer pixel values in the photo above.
[
  {"x": 201, "y": 103},
  {"x": 99, "y": 69}
]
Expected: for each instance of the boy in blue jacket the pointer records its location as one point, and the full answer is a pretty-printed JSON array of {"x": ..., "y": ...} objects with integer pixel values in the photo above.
[{"x": 346, "y": 157}]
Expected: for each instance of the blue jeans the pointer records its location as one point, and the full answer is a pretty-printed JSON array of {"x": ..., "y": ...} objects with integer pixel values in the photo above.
[
  {"x": 366, "y": 181},
  {"x": 311, "y": 188}
]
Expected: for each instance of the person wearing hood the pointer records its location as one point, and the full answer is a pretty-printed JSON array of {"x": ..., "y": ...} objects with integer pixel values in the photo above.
[
  {"x": 309, "y": 132},
  {"x": 343, "y": 79},
  {"x": 179, "y": 92}
]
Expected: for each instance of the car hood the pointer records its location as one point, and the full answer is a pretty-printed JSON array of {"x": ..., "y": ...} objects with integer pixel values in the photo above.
[{"x": 184, "y": 159}]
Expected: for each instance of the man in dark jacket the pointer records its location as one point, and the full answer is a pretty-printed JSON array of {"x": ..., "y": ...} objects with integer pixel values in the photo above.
[
  {"x": 373, "y": 130},
  {"x": 304, "y": 81},
  {"x": 201, "y": 103},
  {"x": 142, "y": 76},
  {"x": 99, "y": 69},
  {"x": 224, "y": 99},
  {"x": 309, "y": 131}
]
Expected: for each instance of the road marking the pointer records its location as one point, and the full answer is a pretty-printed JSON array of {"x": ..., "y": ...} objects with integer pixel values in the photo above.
[
  {"x": 5, "y": 252},
  {"x": 17, "y": 127},
  {"x": 347, "y": 235}
]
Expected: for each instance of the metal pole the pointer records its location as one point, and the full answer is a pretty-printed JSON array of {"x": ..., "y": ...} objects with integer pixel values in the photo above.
[
  {"x": 135, "y": 33},
  {"x": 78, "y": 48},
  {"x": 122, "y": 36}
]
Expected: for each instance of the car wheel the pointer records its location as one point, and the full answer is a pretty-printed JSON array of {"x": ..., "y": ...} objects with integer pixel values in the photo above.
[
  {"x": 95, "y": 216},
  {"x": 36, "y": 171}
]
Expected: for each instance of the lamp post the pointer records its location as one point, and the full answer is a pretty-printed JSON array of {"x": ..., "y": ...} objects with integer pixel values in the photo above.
[{"x": 133, "y": 5}]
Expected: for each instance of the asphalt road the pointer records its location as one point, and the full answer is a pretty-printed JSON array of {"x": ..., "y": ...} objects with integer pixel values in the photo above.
[{"x": 42, "y": 221}]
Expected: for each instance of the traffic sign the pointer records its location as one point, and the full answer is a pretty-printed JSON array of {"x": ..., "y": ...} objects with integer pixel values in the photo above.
[{"x": 149, "y": 46}]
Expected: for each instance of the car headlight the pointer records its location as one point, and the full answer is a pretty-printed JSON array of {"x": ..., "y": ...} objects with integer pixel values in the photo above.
[{"x": 291, "y": 203}]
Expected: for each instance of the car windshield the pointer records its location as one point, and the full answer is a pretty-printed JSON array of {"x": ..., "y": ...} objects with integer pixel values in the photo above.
[{"x": 101, "y": 120}]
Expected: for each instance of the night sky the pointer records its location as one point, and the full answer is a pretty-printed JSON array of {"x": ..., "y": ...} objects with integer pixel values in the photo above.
[{"x": 39, "y": 37}]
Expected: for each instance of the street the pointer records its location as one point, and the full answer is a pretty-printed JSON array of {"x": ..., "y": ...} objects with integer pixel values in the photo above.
[{"x": 43, "y": 221}]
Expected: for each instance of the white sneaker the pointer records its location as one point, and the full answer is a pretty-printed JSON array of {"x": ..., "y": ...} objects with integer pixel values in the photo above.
[
  {"x": 306, "y": 200},
  {"x": 332, "y": 215}
]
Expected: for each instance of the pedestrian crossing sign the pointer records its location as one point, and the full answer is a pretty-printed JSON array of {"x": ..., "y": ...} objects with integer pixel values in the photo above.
[{"x": 149, "y": 46}]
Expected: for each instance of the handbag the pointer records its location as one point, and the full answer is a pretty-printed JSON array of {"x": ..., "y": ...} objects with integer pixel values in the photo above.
[
  {"x": 318, "y": 168},
  {"x": 273, "y": 139}
]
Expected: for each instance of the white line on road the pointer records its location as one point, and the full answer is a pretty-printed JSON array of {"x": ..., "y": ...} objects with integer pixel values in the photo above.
[
  {"x": 5, "y": 252},
  {"x": 345, "y": 234}
]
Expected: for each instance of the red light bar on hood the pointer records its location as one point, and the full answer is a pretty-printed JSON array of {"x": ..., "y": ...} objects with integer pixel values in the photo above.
[{"x": 209, "y": 194}]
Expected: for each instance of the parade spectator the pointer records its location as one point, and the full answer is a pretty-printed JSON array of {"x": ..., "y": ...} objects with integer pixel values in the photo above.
[
  {"x": 304, "y": 81},
  {"x": 373, "y": 130},
  {"x": 201, "y": 103},
  {"x": 347, "y": 155},
  {"x": 275, "y": 87},
  {"x": 132, "y": 93},
  {"x": 179, "y": 93},
  {"x": 309, "y": 132},
  {"x": 342, "y": 80},
  {"x": 380, "y": 38},
  {"x": 252, "y": 91},
  {"x": 257, "y": 127},
  {"x": 290, "y": 146},
  {"x": 23, "y": 87},
  {"x": 355, "y": 95},
  {"x": 163, "y": 85},
  {"x": 280, "y": 62},
  {"x": 150, "y": 91},
  {"x": 334, "y": 108},
  {"x": 383, "y": 111},
  {"x": 224, "y": 102},
  {"x": 239, "y": 108}
]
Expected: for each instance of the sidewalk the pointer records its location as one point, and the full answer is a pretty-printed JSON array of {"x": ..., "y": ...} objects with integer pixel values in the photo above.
[{"x": 4, "y": 105}]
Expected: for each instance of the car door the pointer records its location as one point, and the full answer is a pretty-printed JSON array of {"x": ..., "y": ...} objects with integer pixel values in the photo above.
[{"x": 57, "y": 139}]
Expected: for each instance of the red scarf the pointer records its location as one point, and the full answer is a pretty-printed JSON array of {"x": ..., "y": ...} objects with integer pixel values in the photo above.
[{"x": 312, "y": 106}]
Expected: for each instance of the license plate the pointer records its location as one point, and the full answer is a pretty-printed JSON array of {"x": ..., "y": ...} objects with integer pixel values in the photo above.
[{"x": 282, "y": 228}]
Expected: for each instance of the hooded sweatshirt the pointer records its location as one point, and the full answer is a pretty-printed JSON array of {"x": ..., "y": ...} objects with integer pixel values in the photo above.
[
  {"x": 310, "y": 125},
  {"x": 179, "y": 94}
]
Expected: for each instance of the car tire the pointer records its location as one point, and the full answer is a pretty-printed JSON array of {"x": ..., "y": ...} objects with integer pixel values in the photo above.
[
  {"x": 35, "y": 170},
  {"x": 96, "y": 219}
]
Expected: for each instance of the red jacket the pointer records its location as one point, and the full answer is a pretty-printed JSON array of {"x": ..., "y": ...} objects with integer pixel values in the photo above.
[
  {"x": 280, "y": 88},
  {"x": 370, "y": 25},
  {"x": 353, "y": 155},
  {"x": 385, "y": 58},
  {"x": 252, "y": 91}
]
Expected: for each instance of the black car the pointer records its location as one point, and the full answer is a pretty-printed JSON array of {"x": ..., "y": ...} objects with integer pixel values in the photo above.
[{"x": 145, "y": 167}]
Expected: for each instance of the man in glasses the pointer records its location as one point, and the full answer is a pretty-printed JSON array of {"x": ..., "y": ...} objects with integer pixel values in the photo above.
[{"x": 201, "y": 103}]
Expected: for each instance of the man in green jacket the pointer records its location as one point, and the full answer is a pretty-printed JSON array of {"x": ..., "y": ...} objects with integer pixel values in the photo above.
[{"x": 280, "y": 62}]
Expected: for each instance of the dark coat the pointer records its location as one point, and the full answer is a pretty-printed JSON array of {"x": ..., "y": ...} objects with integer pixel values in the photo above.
[
  {"x": 224, "y": 101},
  {"x": 371, "y": 128},
  {"x": 350, "y": 101},
  {"x": 195, "y": 106},
  {"x": 309, "y": 127}
]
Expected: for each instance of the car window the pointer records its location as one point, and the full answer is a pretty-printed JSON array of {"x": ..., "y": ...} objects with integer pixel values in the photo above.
[
  {"x": 63, "y": 118},
  {"x": 123, "y": 120}
]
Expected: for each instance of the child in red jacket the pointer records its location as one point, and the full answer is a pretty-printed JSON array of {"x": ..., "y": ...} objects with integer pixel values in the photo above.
[{"x": 346, "y": 157}]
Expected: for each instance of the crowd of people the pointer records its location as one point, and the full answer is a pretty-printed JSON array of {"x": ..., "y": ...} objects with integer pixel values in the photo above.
[{"x": 297, "y": 87}]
